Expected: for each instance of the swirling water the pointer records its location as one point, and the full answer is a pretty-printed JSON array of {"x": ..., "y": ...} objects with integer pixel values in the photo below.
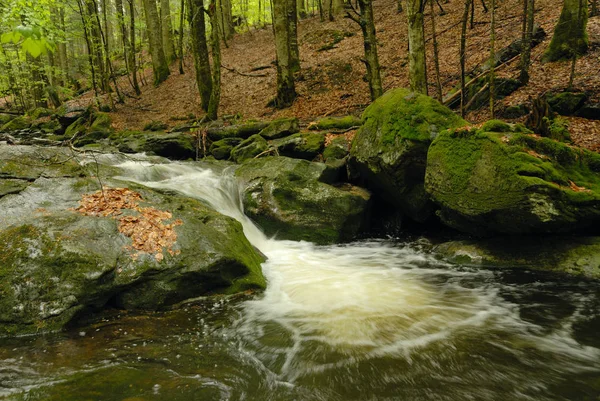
[{"x": 370, "y": 320}]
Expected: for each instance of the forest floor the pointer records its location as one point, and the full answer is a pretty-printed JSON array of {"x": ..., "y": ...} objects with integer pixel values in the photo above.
[{"x": 331, "y": 82}]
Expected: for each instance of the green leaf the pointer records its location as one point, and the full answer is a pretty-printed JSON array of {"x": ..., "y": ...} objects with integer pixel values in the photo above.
[
  {"x": 33, "y": 47},
  {"x": 26, "y": 31}
]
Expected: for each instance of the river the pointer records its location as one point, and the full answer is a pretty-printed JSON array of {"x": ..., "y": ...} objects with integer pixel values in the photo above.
[{"x": 370, "y": 320}]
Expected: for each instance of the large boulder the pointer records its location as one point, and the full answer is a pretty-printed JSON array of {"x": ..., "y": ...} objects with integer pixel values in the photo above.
[
  {"x": 63, "y": 254},
  {"x": 568, "y": 255},
  {"x": 389, "y": 151},
  {"x": 503, "y": 179},
  {"x": 293, "y": 199},
  {"x": 249, "y": 148}
]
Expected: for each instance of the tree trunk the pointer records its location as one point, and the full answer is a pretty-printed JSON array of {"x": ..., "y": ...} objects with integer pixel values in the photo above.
[
  {"x": 570, "y": 38},
  {"x": 215, "y": 95},
  {"x": 301, "y": 9},
  {"x": 416, "y": 47},
  {"x": 227, "y": 19},
  {"x": 527, "y": 37},
  {"x": 166, "y": 27},
  {"x": 286, "y": 91},
  {"x": 462, "y": 55},
  {"x": 180, "y": 45},
  {"x": 62, "y": 48},
  {"x": 436, "y": 60},
  {"x": 132, "y": 61},
  {"x": 160, "y": 67},
  {"x": 200, "y": 51},
  {"x": 95, "y": 37},
  {"x": 293, "y": 35},
  {"x": 364, "y": 18},
  {"x": 492, "y": 57}
]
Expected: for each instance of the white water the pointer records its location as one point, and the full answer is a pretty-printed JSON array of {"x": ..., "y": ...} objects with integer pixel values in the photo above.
[{"x": 331, "y": 307}]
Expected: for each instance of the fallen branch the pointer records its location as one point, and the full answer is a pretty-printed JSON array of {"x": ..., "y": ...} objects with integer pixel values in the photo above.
[
  {"x": 458, "y": 92},
  {"x": 243, "y": 73}
]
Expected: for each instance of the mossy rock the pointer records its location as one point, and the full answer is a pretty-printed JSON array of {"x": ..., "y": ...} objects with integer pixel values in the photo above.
[
  {"x": 289, "y": 199},
  {"x": 56, "y": 265},
  {"x": 249, "y": 148},
  {"x": 516, "y": 111},
  {"x": 303, "y": 145},
  {"x": 559, "y": 130},
  {"x": 29, "y": 163},
  {"x": 221, "y": 150},
  {"x": 512, "y": 183},
  {"x": 243, "y": 130},
  {"x": 67, "y": 114},
  {"x": 17, "y": 124},
  {"x": 77, "y": 129},
  {"x": 566, "y": 103},
  {"x": 389, "y": 151},
  {"x": 49, "y": 127},
  {"x": 5, "y": 118},
  {"x": 329, "y": 123},
  {"x": 100, "y": 128},
  {"x": 280, "y": 128},
  {"x": 175, "y": 146},
  {"x": 337, "y": 149},
  {"x": 39, "y": 112},
  {"x": 155, "y": 126},
  {"x": 578, "y": 256}
]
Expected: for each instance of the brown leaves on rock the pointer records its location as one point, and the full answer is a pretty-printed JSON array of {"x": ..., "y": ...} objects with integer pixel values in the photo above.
[{"x": 146, "y": 227}]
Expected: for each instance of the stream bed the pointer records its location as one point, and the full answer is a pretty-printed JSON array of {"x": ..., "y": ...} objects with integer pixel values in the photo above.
[{"x": 370, "y": 320}]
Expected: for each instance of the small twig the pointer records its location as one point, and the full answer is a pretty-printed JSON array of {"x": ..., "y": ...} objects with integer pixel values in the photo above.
[
  {"x": 347, "y": 107},
  {"x": 243, "y": 73},
  {"x": 270, "y": 150},
  {"x": 343, "y": 131}
]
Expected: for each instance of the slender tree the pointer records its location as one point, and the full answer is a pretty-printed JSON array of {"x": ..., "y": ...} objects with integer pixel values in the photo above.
[
  {"x": 436, "y": 60},
  {"x": 364, "y": 18},
  {"x": 160, "y": 68},
  {"x": 492, "y": 57},
  {"x": 200, "y": 51},
  {"x": 462, "y": 55},
  {"x": 416, "y": 46},
  {"x": 166, "y": 27},
  {"x": 528, "y": 19},
  {"x": 215, "y": 45},
  {"x": 292, "y": 14},
  {"x": 286, "y": 90},
  {"x": 180, "y": 45},
  {"x": 133, "y": 64}
]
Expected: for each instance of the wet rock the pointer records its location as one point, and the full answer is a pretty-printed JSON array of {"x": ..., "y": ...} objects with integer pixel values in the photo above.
[
  {"x": 291, "y": 199},
  {"x": 249, "y": 148},
  {"x": 389, "y": 151},
  {"x": 488, "y": 182},
  {"x": 221, "y": 150},
  {"x": 280, "y": 128},
  {"x": 57, "y": 264},
  {"x": 303, "y": 145},
  {"x": 571, "y": 255}
]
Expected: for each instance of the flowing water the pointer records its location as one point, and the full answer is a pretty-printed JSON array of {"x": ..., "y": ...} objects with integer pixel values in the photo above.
[{"x": 371, "y": 320}]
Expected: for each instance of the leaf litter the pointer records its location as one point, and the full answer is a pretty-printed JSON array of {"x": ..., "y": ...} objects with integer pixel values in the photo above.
[{"x": 147, "y": 227}]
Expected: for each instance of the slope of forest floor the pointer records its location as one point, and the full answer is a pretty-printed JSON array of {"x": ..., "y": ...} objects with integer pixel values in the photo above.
[{"x": 332, "y": 81}]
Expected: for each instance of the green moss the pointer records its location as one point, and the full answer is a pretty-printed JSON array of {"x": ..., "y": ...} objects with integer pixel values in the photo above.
[
  {"x": 512, "y": 182},
  {"x": 249, "y": 148},
  {"x": 570, "y": 35},
  {"x": 401, "y": 114},
  {"x": 39, "y": 112},
  {"x": 77, "y": 128},
  {"x": 16, "y": 124},
  {"x": 337, "y": 149},
  {"x": 496, "y": 126}
]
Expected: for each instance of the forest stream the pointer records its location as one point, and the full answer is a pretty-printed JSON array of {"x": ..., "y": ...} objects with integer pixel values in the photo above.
[{"x": 370, "y": 320}]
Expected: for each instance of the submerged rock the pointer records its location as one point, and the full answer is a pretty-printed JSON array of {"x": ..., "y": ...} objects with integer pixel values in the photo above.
[
  {"x": 389, "y": 151},
  {"x": 512, "y": 182},
  {"x": 294, "y": 199},
  {"x": 571, "y": 255},
  {"x": 57, "y": 263}
]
